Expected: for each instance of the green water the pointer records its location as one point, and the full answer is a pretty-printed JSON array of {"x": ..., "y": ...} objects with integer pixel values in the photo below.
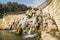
[{"x": 7, "y": 35}]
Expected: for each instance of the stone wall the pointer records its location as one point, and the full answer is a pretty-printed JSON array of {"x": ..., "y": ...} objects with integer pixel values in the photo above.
[
  {"x": 54, "y": 10},
  {"x": 7, "y": 20}
]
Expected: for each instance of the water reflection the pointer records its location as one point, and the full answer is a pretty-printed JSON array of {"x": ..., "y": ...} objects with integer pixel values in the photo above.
[{"x": 7, "y": 35}]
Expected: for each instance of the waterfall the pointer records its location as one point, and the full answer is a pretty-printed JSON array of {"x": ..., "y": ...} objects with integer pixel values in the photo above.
[
  {"x": 33, "y": 23},
  {"x": 11, "y": 23},
  {"x": 3, "y": 24},
  {"x": 30, "y": 30},
  {"x": 24, "y": 22},
  {"x": 20, "y": 22}
]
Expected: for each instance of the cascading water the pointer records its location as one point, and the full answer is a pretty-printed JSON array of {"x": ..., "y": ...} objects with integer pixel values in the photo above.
[
  {"x": 4, "y": 23},
  {"x": 11, "y": 22},
  {"x": 24, "y": 22},
  {"x": 20, "y": 22},
  {"x": 33, "y": 23}
]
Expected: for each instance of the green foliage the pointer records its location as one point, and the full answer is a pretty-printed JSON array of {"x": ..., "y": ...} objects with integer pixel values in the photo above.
[
  {"x": 12, "y": 7},
  {"x": 29, "y": 8}
]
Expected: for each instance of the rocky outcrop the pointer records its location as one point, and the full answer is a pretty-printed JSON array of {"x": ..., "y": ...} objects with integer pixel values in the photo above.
[{"x": 54, "y": 10}]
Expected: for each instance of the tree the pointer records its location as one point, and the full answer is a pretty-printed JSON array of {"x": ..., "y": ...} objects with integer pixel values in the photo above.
[{"x": 12, "y": 7}]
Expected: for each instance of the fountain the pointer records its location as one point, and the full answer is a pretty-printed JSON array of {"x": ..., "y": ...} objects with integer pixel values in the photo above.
[
  {"x": 34, "y": 24},
  {"x": 30, "y": 33},
  {"x": 31, "y": 26},
  {"x": 24, "y": 22}
]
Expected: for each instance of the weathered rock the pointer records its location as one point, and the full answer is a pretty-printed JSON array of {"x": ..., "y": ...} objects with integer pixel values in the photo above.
[{"x": 46, "y": 36}]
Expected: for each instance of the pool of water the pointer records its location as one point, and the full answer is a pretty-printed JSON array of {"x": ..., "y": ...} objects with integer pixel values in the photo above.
[{"x": 7, "y": 35}]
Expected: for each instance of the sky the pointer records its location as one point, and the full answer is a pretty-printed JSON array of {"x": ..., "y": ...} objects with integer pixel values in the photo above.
[{"x": 34, "y": 3}]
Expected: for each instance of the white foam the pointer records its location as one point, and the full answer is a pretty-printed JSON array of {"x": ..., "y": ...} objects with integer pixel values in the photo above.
[
  {"x": 13, "y": 31},
  {"x": 31, "y": 35}
]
